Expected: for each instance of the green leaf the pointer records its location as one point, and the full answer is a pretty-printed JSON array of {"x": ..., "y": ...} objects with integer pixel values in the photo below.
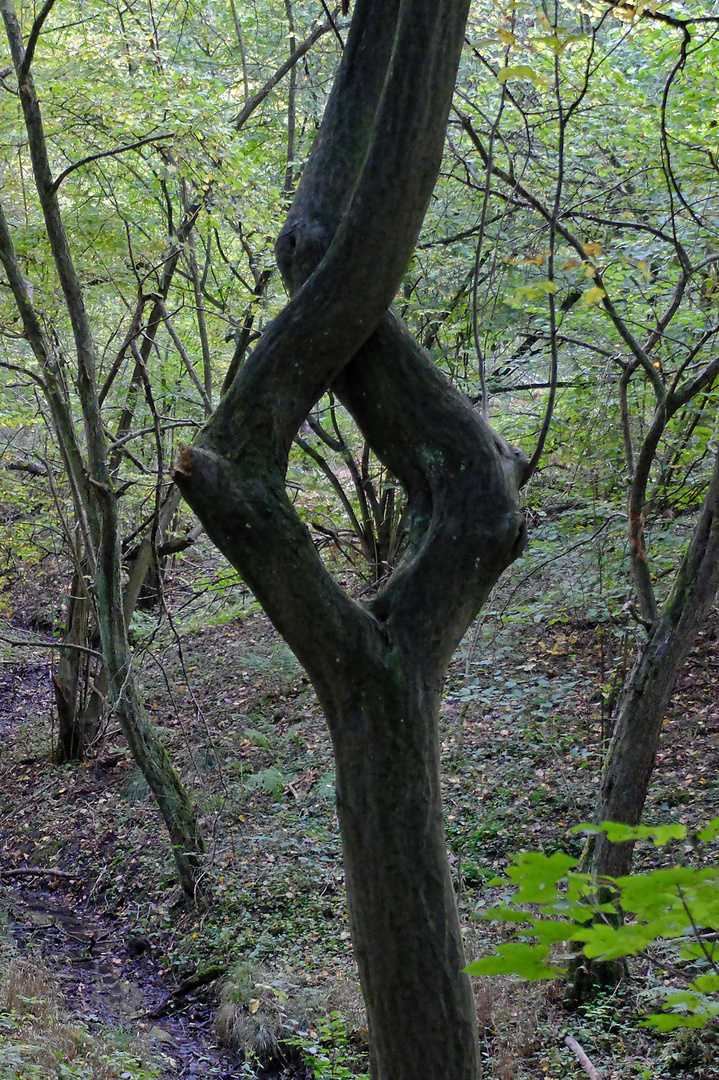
[
  {"x": 610, "y": 943},
  {"x": 550, "y": 931},
  {"x": 709, "y": 832},
  {"x": 672, "y": 1021},
  {"x": 659, "y": 834},
  {"x": 516, "y": 958},
  {"x": 537, "y": 875},
  {"x": 706, "y": 984}
]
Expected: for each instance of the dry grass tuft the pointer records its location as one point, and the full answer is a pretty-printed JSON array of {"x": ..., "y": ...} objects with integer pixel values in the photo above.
[
  {"x": 263, "y": 1015},
  {"x": 508, "y": 1015},
  {"x": 38, "y": 1039}
]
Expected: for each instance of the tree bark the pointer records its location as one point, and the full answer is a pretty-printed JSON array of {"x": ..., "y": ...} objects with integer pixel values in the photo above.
[
  {"x": 377, "y": 668},
  {"x": 403, "y": 918},
  {"x": 644, "y": 701},
  {"x": 630, "y": 760},
  {"x": 96, "y": 501},
  {"x": 79, "y": 702}
]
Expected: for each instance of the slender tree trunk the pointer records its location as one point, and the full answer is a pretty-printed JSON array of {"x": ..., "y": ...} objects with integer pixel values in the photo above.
[
  {"x": 630, "y": 760},
  {"x": 96, "y": 501},
  {"x": 291, "y": 107},
  {"x": 644, "y": 700},
  {"x": 79, "y": 704}
]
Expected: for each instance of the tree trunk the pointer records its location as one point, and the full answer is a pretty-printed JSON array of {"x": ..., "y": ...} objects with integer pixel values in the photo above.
[
  {"x": 79, "y": 703},
  {"x": 377, "y": 668},
  {"x": 96, "y": 501},
  {"x": 403, "y": 916},
  {"x": 147, "y": 751},
  {"x": 630, "y": 760},
  {"x": 644, "y": 700}
]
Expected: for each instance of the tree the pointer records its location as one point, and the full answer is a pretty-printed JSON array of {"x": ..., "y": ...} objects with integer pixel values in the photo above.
[
  {"x": 638, "y": 229},
  {"x": 94, "y": 493},
  {"x": 137, "y": 280},
  {"x": 377, "y": 668}
]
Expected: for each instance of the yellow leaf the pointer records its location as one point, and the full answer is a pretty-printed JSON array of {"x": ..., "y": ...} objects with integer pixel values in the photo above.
[
  {"x": 593, "y": 295},
  {"x": 589, "y": 270},
  {"x": 571, "y": 264},
  {"x": 519, "y": 71},
  {"x": 506, "y": 37},
  {"x": 643, "y": 267},
  {"x": 592, "y": 249},
  {"x": 625, "y": 13},
  {"x": 254, "y": 1006},
  {"x": 544, "y": 21},
  {"x": 535, "y": 291}
]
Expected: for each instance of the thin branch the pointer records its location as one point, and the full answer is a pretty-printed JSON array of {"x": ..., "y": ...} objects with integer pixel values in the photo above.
[
  {"x": 337, "y": 486},
  {"x": 330, "y": 19},
  {"x": 243, "y": 55},
  {"x": 105, "y": 154},
  {"x": 478, "y": 248},
  {"x": 33, "y": 39},
  {"x": 554, "y": 367},
  {"x": 182, "y": 351},
  {"x": 50, "y": 645},
  {"x": 38, "y": 871},
  {"x": 519, "y": 189},
  {"x": 244, "y": 114}
]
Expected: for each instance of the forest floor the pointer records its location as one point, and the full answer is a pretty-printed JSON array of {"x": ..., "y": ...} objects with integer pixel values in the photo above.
[{"x": 98, "y": 945}]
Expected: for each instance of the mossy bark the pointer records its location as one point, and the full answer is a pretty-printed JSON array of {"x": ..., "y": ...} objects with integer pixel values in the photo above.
[{"x": 377, "y": 668}]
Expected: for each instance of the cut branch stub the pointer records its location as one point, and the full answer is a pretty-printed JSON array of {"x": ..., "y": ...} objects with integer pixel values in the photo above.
[{"x": 343, "y": 251}]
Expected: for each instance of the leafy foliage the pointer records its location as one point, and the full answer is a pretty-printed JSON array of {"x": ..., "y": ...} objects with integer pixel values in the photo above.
[{"x": 560, "y": 904}]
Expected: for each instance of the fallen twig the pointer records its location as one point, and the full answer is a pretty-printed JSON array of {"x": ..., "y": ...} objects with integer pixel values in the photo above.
[
  {"x": 50, "y": 645},
  {"x": 582, "y": 1058},
  {"x": 200, "y": 978},
  {"x": 37, "y": 871}
]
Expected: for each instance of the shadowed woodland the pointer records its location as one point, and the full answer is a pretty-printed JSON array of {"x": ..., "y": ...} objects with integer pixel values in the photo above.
[{"x": 358, "y": 541}]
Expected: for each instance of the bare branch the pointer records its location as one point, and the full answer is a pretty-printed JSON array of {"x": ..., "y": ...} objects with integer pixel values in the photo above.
[
  {"x": 582, "y": 1058},
  {"x": 182, "y": 351},
  {"x": 257, "y": 99},
  {"x": 33, "y": 39},
  {"x": 106, "y": 154}
]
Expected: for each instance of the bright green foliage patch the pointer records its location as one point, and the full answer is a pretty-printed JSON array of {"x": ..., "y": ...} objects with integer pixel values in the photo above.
[{"x": 679, "y": 904}]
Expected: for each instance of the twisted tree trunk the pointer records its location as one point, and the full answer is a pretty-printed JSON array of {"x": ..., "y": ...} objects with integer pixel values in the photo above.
[{"x": 377, "y": 668}]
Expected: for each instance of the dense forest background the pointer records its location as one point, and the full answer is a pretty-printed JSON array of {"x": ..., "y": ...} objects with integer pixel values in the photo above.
[{"x": 566, "y": 281}]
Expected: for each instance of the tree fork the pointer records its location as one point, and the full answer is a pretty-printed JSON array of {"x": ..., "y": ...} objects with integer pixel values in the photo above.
[{"x": 377, "y": 668}]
